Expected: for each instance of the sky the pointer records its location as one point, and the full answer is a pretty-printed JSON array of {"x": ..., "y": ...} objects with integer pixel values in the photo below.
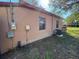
[
  {"x": 67, "y": 14},
  {"x": 43, "y": 3},
  {"x": 9, "y": 0}
]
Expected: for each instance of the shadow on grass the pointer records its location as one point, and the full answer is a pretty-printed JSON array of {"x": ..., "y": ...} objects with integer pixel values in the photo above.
[
  {"x": 67, "y": 39},
  {"x": 52, "y": 47}
]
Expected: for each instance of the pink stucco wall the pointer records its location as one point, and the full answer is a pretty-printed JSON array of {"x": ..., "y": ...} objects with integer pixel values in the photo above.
[{"x": 24, "y": 16}]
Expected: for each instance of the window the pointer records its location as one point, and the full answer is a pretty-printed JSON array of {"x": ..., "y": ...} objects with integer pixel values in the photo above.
[
  {"x": 42, "y": 23},
  {"x": 57, "y": 24}
]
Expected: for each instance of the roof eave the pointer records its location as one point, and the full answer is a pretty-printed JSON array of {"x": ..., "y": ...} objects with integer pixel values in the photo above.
[{"x": 26, "y": 5}]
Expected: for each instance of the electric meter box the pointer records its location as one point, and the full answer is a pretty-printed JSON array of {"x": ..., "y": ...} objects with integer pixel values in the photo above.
[
  {"x": 13, "y": 26},
  {"x": 28, "y": 27},
  {"x": 10, "y": 34}
]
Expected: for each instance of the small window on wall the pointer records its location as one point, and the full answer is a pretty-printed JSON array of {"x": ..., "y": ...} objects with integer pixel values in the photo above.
[
  {"x": 42, "y": 23},
  {"x": 57, "y": 24}
]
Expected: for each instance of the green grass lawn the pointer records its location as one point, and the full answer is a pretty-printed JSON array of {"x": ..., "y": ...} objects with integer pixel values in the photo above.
[{"x": 73, "y": 31}]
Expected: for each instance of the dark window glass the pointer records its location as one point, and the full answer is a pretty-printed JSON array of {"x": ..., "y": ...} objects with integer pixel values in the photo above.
[
  {"x": 42, "y": 23},
  {"x": 57, "y": 24}
]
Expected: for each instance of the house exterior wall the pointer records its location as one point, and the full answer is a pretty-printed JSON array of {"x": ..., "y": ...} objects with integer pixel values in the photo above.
[
  {"x": 24, "y": 16},
  {"x": 55, "y": 18}
]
